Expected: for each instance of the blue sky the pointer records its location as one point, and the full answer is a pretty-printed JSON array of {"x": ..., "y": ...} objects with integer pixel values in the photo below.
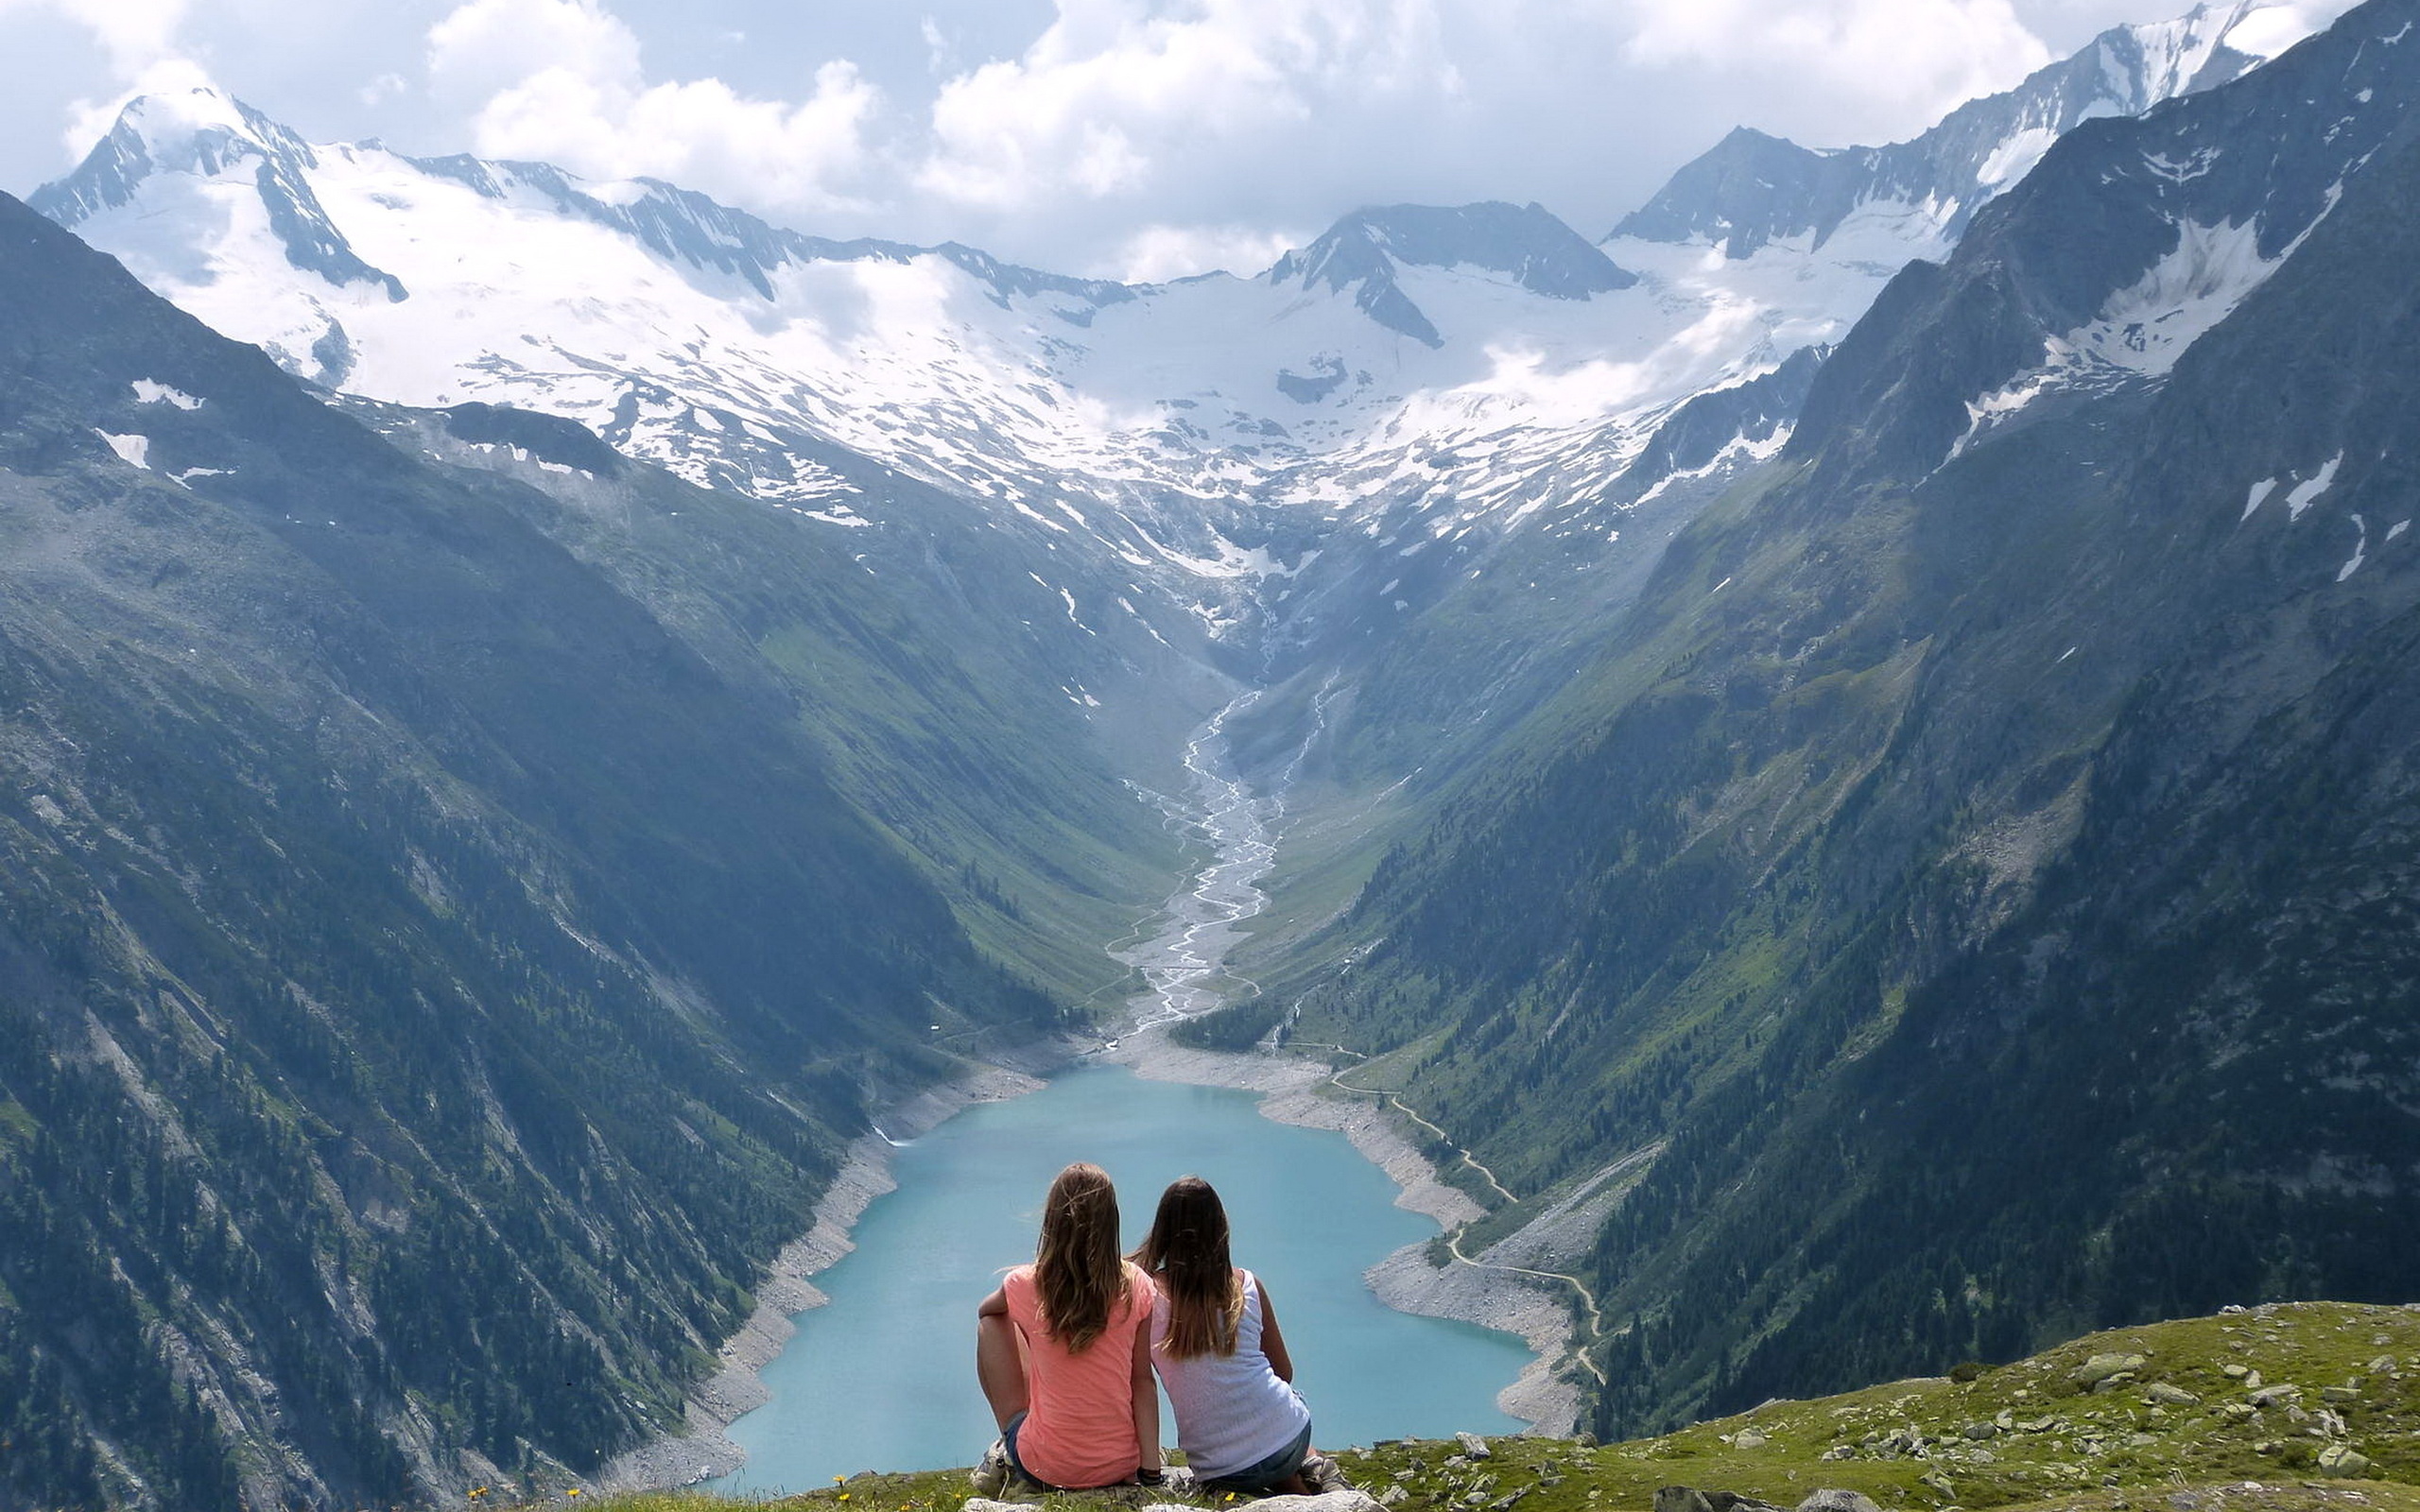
[{"x": 1141, "y": 138}]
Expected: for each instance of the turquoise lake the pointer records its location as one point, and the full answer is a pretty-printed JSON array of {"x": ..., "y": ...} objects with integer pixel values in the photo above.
[{"x": 883, "y": 1376}]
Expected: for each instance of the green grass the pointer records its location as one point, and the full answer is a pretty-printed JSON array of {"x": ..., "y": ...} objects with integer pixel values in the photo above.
[{"x": 2054, "y": 1442}]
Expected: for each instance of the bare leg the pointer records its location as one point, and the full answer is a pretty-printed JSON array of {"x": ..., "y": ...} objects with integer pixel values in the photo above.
[{"x": 999, "y": 1366}]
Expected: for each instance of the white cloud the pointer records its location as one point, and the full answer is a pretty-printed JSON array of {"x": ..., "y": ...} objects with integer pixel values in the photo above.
[
  {"x": 1136, "y": 137},
  {"x": 136, "y": 34},
  {"x": 1895, "y": 63},
  {"x": 140, "y": 39},
  {"x": 1131, "y": 123},
  {"x": 563, "y": 82},
  {"x": 385, "y": 87},
  {"x": 89, "y": 120},
  {"x": 1157, "y": 253},
  {"x": 1118, "y": 98},
  {"x": 486, "y": 47}
]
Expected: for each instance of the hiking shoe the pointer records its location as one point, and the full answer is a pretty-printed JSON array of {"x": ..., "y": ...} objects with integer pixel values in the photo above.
[
  {"x": 1322, "y": 1475},
  {"x": 991, "y": 1477}
]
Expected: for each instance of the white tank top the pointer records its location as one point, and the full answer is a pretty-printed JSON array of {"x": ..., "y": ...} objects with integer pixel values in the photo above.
[{"x": 1232, "y": 1412}]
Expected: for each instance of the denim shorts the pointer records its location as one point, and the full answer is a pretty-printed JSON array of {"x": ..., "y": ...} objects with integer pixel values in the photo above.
[
  {"x": 1267, "y": 1472},
  {"x": 1009, "y": 1442}
]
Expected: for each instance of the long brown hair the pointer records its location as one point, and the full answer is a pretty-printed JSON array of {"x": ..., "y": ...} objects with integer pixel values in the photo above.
[
  {"x": 1076, "y": 1265},
  {"x": 1186, "y": 1253}
]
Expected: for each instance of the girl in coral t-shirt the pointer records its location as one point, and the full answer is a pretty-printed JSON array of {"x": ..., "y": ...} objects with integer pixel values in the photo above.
[{"x": 1063, "y": 1350}]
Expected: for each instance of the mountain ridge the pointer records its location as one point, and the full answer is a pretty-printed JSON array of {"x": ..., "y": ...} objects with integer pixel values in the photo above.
[
  {"x": 1754, "y": 188},
  {"x": 441, "y": 963},
  {"x": 1937, "y": 818}
]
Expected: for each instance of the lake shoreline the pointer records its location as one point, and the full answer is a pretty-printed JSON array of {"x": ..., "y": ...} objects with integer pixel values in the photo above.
[
  {"x": 702, "y": 1449},
  {"x": 1294, "y": 1090},
  {"x": 1290, "y": 1088}
]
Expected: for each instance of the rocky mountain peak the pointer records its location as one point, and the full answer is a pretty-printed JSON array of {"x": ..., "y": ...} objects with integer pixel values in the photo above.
[
  {"x": 200, "y": 130},
  {"x": 1363, "y": 252},
  {"x": 210, "y": 135},
  {"x": 1753, "y": 189}
]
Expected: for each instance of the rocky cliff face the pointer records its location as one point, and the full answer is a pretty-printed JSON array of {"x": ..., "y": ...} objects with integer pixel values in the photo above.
[
  {"x": 1980, "y": 852},
  {"x": 431, "y": 983}
]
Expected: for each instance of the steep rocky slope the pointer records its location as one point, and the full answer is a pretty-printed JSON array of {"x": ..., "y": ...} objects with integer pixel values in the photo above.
[
  {"x": 1982, "y": 855},
  {"x": 438, "y": 970}
]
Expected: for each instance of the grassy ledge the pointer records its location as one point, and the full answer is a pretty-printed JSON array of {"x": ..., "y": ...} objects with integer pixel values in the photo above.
[{"x": 2295, "y": 1407}]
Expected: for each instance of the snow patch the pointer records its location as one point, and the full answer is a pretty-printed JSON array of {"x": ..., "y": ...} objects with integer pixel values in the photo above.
[
  {"x": 2260, "y": 493},
  {"x": 151, "y": 391},
  {"x": 2145, "y": 328},
  {"x": 2270, "y": 31},
  {"x": 2360, "y": 551},
  {"x": 2306, "y": 493},
  {"x": 136, "y": 451},
  {"x": 2015, "y": 158},
  {"x": 1998, "y": 406},
  {"x": 1738, "y": 452}
]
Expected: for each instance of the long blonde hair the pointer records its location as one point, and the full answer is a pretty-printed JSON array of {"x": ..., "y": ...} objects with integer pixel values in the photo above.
[
  {"x": 1186, "y": 1253},
  {"x": 1077, "y": 1269}
]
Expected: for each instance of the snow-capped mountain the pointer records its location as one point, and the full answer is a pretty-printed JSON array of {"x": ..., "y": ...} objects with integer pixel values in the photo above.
[
  {"x": 703, "y": 339},
  {"x": 1753, "y": 190},
  {"x": 1365, "y": 251},
  {"x": 1450, "y": 370},
  {"x": 2188, "y": 211},
  {"x": 1798, "y": 242}
]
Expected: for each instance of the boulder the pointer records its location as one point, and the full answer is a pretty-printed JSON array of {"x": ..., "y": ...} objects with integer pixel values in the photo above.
[
  {"x": 1348, "y": 1500},
  {"x": 984, "y": 1504},
  {"x": 2101, "y": 1366},
  {"x": 1473, "y": 1445},
  {"x": 1835, "y": 1500},
  {"x": 2342, "y": 1459},
  {"x": 1748, "y": 1438},
  {"x": 1682, "y": 1498}
]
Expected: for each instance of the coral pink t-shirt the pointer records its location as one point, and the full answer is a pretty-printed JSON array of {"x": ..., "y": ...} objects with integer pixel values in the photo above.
[{"x": 1078, "y": 1430}]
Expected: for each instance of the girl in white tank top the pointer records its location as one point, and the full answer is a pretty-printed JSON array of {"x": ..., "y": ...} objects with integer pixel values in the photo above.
[{"x": 1221, "y": 1357}]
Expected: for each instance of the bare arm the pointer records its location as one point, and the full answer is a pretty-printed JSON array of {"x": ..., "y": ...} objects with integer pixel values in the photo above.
[
  {"x": 1147, "y": 1399},
  {"x": 1272, "y": 1343},
  {"x": 996, "y": 1305}
]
